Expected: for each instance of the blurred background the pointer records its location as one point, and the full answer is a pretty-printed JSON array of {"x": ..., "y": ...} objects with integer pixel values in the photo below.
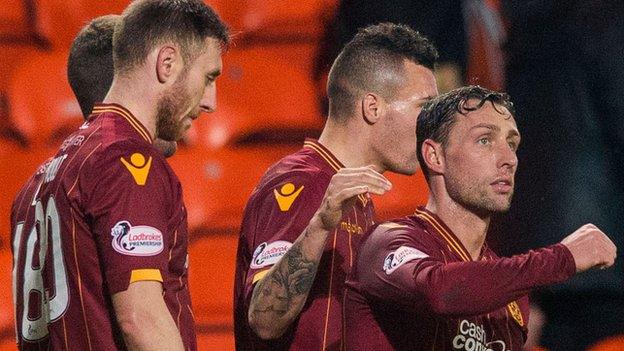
[{"x": 562, "y": 63}]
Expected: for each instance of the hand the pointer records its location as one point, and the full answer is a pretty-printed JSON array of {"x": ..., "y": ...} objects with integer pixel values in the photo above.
[
  {"x": 343, "y": 190},
  {"x": 590, "y": 248}
]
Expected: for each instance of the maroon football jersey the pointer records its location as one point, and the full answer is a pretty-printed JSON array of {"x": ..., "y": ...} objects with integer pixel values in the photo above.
[
  {"x": 278, "y": 211},
  {"x": 415, "y": 287},
  {"x": 105, "y": 211}
]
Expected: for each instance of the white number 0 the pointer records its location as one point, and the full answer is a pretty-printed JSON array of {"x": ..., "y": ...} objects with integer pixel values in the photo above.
[{"x": 35, "y": 325}]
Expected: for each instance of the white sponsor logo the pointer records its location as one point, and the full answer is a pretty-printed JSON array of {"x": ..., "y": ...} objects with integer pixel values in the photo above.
[
  {"x": 267, "y": 254},
  {"x": 472, "y": 337},
  {"x": 401, "y": 256},
  {"x": 140, "y": 240}
]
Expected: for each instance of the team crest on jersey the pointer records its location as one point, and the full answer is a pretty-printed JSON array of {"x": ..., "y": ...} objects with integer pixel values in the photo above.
[
  {"x": 267, "y": 254},
  {"x": 514, "y": 309},
  {"x": 140, "y": 240},
  {"x": 286, "y": 195},
  {"x": 401, "y": 256},
  {"x": 138, "y": 167}
]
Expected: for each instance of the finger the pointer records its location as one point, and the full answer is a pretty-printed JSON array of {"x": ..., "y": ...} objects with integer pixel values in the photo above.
[
  {"x": 363, "y": 179},
  {"x": 348, "y": 170},
  {"x": 348, "y": 193},
  {"x": 608, "y": 245},
  {"x": 363, "y": 170},
  {"x": 374, "y": 186}
]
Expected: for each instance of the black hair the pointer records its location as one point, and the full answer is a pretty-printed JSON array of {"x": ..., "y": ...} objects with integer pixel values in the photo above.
[
  {"x": 438, "y": 115},
  {"x": 363, "y": 63}
]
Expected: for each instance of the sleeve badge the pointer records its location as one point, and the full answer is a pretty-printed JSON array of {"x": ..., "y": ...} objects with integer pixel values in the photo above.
[{"x": 286, "y": 195}]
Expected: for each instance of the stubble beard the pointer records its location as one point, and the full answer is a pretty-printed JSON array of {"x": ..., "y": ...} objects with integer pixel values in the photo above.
[
  {"x": 475, "y": 197},
  {"x": 169, "y": 107}
]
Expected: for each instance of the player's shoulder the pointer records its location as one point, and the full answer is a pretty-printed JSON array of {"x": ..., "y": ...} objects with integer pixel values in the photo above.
[
  {"x": 397, "y": 232},
  {"x": 298, "y": 169},
  {"x": 128, "y": 156},
  {"x": 134, "y": 151},
  {"x": 399, "y": 226},
  {"x": 27, "y": 191}
]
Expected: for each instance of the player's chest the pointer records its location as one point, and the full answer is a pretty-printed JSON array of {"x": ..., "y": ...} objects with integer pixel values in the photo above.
[
  {"x": 500, "y": 330},
  {"x": 353, "y": 226}
]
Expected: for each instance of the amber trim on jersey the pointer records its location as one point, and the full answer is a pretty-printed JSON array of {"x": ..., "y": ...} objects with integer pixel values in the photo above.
[
  {"x": 445, "y": 234},
  {"x": 138, "y": 275},
  {"x": 259, "y": 276},
  {"x": 127, "y": 115},
  {"x": 84, "y": 315},
  {"x": 331, "y": 281},
  {"x": 331, "y": 160}
]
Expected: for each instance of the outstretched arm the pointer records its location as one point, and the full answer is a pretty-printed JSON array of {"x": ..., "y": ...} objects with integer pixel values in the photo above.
[{"x": 477, "y": 287}]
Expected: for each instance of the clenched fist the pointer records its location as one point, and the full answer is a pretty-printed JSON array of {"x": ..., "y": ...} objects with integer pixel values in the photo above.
[{"x": 590, "y": 248}]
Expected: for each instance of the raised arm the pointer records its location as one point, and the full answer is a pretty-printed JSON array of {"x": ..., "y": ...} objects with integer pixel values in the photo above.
[{"x": 279, "y": 296}]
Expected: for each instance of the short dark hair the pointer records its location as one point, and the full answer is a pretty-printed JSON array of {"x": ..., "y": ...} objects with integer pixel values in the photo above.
[
  {"x": 90, "y": 64},
  {"x": 363, "y": 62},
  {"x": 148, "y": 23},
  {"x": 437, "y": 116}
]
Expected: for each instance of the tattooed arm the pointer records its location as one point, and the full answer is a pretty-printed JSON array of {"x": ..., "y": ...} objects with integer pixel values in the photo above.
[{"x": 280, "y": 295}]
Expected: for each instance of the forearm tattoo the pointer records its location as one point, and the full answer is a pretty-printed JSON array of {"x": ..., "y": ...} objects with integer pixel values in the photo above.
[{"x": 281, "y": 291}]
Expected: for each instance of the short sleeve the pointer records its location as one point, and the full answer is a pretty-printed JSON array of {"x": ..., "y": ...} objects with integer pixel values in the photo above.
[
  {"x": 276, "y": 215},
  {"x": 129, "y": 205}
]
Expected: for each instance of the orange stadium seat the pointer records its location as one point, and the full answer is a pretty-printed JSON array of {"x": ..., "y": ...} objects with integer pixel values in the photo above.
[
  {"x": 59, "y": 21},
  {"x": 222, "y": 341},
  {"x": 276, "y": 20},
  {"x": 11, "y": 53},
  {"x": 614, "y": 343},
  {"x": 217, "y": 183},
  {"x": 211, "y": 281},
  {"x": 17, "y": 22},
  {"x": 17, "y": 165},
  {"x": 42, "y": 106},
  {"x": 6, "y": 299},
  {"x": 264, "y": 93},
  {"x": 229, "y": 12}
]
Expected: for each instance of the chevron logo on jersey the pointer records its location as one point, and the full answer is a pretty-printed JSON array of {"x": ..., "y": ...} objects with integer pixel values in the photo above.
[
  {"x": 286, "y": 196},
  {"x": 138, "y": 167}
]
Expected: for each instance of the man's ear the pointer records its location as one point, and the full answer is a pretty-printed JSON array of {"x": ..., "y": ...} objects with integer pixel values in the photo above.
[
  {"x": 372, "y": 108},
  {"x": 168, "y": 63},
  {"x": 433, "y": 156}
]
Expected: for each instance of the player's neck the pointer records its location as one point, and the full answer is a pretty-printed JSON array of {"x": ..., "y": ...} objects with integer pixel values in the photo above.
[
  {"x": 135, "y": 98},
  {"x": 350, "y": 147},
  {"x": 469, "y": 227}
]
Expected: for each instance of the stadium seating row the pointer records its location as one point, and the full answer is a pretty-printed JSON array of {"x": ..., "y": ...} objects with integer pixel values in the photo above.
[{"x": 56, "y": 21}]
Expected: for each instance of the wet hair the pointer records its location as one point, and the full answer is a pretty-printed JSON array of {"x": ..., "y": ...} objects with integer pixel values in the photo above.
[
  {"x": 439, "y": 114},
  {"x": 90, "y": 64},
  {"x": 363, "y": 64},
  {"x": 148, "y": 23}
]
